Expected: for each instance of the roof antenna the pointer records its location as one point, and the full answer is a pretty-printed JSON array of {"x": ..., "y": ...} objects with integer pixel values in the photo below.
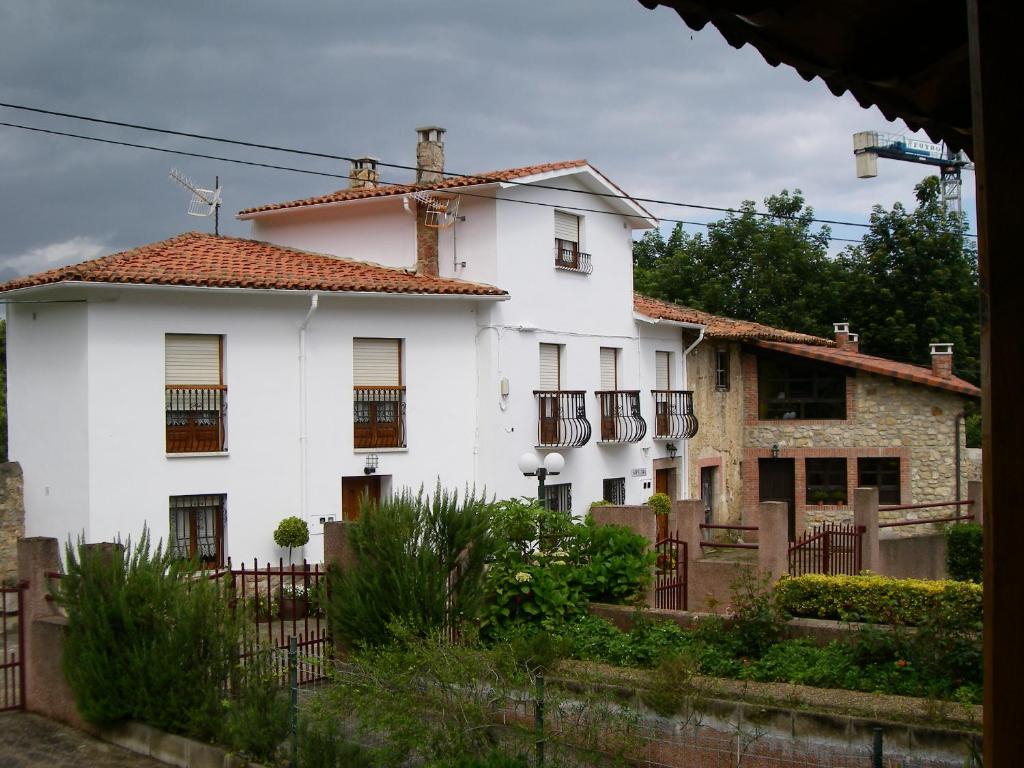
[{"x": 204, "y": 202}]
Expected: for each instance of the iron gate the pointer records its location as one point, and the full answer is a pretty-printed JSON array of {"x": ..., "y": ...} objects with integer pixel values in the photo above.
[
  {"x": 12, "y": 641},
  {"x": 831, "y": 549},
  {"x": 670, "y": 573}
]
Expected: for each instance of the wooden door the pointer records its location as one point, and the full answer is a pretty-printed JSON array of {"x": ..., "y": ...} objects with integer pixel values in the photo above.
[
  {"x": 777, "y": 483},
  {"x": 549, "y": 420},
  {"x": 352, "y": 491},
  {"x": 664, "y": 482}
]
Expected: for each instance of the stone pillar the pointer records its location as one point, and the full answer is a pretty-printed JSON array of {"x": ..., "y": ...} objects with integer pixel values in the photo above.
[
  {"x": 974, "y": 492},
  {"x": 639, "y": 519},
  {"x": 773, "y": 547},
  {"x": 46, "y": 690},
  {"x": 338, "y": 551},
  {"x": 865, "y": 512},
  {"x": 12, "y": 518},
  {"x": 686, "y": 517}
]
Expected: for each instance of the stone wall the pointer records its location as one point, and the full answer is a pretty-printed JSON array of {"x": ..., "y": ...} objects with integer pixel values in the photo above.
[{"x": 12, "y": 518}]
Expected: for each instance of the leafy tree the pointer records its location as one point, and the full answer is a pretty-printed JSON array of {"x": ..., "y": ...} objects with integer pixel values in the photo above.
[
  {"x": 3, "y": 390},
  {"x": 914, "y": 280},
  {"x": 773, "y": 269}
]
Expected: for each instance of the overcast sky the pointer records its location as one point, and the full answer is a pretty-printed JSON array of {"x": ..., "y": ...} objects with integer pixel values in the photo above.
[{"x": 663, "y": 111}]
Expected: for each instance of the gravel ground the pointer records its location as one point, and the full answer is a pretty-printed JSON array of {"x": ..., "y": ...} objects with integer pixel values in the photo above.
[{"x": 28, "y": 741}]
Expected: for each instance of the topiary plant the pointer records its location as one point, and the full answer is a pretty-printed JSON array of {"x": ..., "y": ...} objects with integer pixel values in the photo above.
[
  {"x": 291, "y": 532},
  {"x": 660, "y": 504}
]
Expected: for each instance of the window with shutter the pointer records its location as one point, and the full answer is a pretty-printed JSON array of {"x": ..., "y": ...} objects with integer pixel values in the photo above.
[
  {"x": 550, "y": 368},
  {"x": 194, "y": 395},
  {"x": 662, "y": 368},
  {"x": 378, "y": 399},
  {"x": 567, "y": 243},
  {"x": 609, "y": 369}
]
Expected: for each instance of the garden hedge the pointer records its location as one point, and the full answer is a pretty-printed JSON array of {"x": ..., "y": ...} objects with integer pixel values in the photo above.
[
  {"x": 880, "y": 599},
  {"x": 964, "y": 552}
]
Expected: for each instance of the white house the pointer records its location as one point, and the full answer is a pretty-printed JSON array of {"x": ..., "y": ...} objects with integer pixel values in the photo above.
[{"x": 209, "y": 386}]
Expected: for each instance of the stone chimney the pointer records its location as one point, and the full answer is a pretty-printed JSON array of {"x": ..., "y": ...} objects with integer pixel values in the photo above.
[
  {"x": 842, "y": 335},
  {"x": 942, "y": 359},
  {"x": 364, "y": 172},
  {"x": 430, "y": 155},
  {"x": 429, "y": 170},
  {"x": 853, "y": 342}
]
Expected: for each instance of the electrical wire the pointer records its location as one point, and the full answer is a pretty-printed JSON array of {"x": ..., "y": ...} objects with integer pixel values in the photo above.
[
  {"x": 329, "y": 156},
  {"x": 292, "y": 169}
]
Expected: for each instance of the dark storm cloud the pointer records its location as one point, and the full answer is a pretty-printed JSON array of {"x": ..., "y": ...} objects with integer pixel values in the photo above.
[{"x": 664, "y": 112}]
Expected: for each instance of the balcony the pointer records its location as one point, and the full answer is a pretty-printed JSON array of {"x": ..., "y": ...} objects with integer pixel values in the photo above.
[
  {"x": 562, "y": 419},
  {"x": 573, "y": 260},
  {"x": 196, "y": 419},
  {"x": 673, "y": 415},
  {"x": 378, "y": 417},
  {"x": 621, "y": 421}
]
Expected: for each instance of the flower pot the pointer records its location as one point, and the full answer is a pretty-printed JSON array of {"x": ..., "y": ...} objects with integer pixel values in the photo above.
[{"x": 294, "y": 608}]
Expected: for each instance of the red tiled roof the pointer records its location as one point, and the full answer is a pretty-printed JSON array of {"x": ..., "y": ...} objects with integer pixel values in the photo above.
[
  {"x": 877, "y": 365},
  {"x": 384, "y": 190},
  {"x": 717, "y": 327},
  {"x": 198, "y": 259}
]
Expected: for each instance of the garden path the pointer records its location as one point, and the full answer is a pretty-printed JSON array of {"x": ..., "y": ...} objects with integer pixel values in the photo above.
[{"x": 29, "y": 741}]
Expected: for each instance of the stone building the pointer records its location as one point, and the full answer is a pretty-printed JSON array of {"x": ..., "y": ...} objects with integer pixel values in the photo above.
[{"x": 803, "y": 419}]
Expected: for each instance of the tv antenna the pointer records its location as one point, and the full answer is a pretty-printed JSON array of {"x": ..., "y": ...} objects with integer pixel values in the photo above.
[{"x": 204, "y": 202}]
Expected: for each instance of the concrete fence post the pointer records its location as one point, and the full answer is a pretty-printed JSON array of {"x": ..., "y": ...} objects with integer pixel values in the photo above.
[
  {"x": 865, "y": 512},
  {"x": 338, "y": 551},
  {"x": 686, "y": 517},
  {"x": 773, "y": 544},
  {"x": 976, "y": 507},
  {"x": 46, "y": 690}
]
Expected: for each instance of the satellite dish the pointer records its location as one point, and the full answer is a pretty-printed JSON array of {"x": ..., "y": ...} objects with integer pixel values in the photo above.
[{"x": 204, "y": 202}]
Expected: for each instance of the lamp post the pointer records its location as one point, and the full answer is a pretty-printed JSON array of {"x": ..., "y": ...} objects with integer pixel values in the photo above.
[{"x": 530, "y": 464}]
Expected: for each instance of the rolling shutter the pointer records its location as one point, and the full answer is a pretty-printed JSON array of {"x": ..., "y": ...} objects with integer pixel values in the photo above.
[
  {"x": 662, "y": 379},
  {"x": 191, "y": 359},
  {"x": 567, "y": 227},
  {"x": 376, "y": 362},
  {"x": 550, "y": 377},
  {"x": 609, "y": 373}
]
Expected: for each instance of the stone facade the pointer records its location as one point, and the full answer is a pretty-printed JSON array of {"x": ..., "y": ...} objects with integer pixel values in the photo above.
[
  {"x": 12, "y": 519},
  {"x": 886, "y": 417}
]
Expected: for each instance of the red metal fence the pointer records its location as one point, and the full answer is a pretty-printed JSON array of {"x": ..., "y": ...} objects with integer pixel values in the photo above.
[
  {"x": 957, "y": 518},
  {"x": 670, "y": 574},
  {"x": 12, "y": 641},
  {"x": 830, "y": 548}
]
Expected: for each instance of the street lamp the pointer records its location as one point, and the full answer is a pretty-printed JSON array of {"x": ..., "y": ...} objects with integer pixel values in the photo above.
[{"x": 530, "y": 464}]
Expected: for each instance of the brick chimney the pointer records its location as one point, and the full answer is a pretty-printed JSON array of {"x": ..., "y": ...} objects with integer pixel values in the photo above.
[
  {"x": 942, "y": 359},
  {"x": 429, "y": 170},
  {"x": 842, "y": 334},
  {"x": 364, "y": 172},
  {"x": 853, "y": 342},
  {"x": 430, "y": 155}
]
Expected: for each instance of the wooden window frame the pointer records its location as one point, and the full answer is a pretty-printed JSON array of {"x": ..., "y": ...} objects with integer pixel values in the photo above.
[
  {"x": 722, "y": 369},
  {"x": 794, "y": 374},
  {"x": 871, "y": 476},
  {"x": 830, "y": 484}
]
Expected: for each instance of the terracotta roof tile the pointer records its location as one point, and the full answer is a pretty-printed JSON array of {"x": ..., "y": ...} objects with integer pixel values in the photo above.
[
  {"x": 717, "y": 327},
  {"x": 198, "y": 259},
  {"x": 878, "y": 365},
  {"x": 384, "y": 190}
]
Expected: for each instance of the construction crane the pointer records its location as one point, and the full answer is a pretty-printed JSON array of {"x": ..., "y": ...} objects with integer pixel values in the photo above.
[{"x": 868, "y": 146}]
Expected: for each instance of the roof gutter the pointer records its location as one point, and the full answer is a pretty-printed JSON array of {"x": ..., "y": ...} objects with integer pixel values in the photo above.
[{"x": 673, "y": 323}]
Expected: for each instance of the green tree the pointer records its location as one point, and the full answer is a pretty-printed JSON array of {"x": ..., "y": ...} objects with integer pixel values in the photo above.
[
  {"x": 3, "y": 390},
  {"x": 914, "y": 280},
  {"x": 773, "y": 269}
]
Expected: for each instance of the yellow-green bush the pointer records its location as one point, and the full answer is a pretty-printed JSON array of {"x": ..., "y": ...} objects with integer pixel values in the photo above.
[{"x": 880, "y": 599}]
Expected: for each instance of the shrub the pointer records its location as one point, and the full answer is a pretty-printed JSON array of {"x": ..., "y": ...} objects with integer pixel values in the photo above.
[
  {"x": 134, "y": 614},
  {"x": 417, "y": 559},
  {"x": 291, "y": 532},
  {"x": 256, "y": 715},
  {"x": 964, "y": 552},
  {"x": 660, "y": 504},
  {"x": 617, "y": 563},
  {"x": 880, "y": 600},
  {"x": 757, "y": 618}
]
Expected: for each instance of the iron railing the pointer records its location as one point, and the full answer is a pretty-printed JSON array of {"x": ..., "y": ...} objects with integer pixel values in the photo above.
[
  {"x": 196, "y": 418},
  {"x": 671, "y": 573},
  {"x": 562, "y": 419},
  {"x": 574, "y": 261},
  {"x": 832, "y": 549},
  {"x": 673, "y": 415},
  {"x": 378, "y": 417},
  {"x": 621, "y": 421}
]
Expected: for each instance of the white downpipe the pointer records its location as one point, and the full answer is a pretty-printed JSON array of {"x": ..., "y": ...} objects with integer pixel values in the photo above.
[
  {"x": 303, "y": 434},
  {"x": 685, "y": 469}
]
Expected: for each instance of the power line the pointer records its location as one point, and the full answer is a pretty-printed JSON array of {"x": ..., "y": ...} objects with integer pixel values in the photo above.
[
  {"x": 292, "y": 169},
  {"x": 469, "y": 176}
]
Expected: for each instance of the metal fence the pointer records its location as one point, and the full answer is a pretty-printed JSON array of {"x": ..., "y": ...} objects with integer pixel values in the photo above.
[
  {"x": 12, "y": 643},
  {"x": 830, "y": 548}
]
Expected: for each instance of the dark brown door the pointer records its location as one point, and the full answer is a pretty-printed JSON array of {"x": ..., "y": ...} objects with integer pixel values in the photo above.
[
  {"x": 777, "y": 483},
  {"x": 707, "y": 493},
  {"x": 549, "y": 417},
  {"x": 352, "y": 492},
  {"x": 608, "y": 417},
  {"x": 664, "y": 482}
]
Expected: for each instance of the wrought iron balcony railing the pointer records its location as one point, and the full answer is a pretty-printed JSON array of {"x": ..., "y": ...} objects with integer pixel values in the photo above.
[
  {"x": 196, "y": 418},
  {"x": 673, "y": 415},
  {"x": 562, "y": 419},
  {"x": 621, "y": 421},
  {"x": 573, "y": 260},
  {"x": 378, "y": 417}
]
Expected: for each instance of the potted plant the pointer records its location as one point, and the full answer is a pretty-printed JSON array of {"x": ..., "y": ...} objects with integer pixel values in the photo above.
[
  {"x": 293, "y": 600},
  {"x": 291, "y": 532}
]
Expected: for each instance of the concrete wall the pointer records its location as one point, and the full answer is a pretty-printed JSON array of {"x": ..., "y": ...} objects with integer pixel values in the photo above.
[
  {"x": 12, "y": 519},
  {"x": 922, "y": 556}
]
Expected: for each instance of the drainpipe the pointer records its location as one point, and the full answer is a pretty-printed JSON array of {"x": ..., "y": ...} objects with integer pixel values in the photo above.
[
  {"x": 685, "y": 468},
  {"x": 303, "y": 437},
  {"x": 956, "y": 453}
]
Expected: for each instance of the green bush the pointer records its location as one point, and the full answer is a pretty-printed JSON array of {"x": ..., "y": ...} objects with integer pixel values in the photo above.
[
  {"x": 146, "y": 641},
  {"x": 618, "y": 564},
  {"x": 964, "y": 552},
  {"x": 880, "y": 600},
  {"x": 256, "y": 714},
  {"x": 291, "y": 532},
  {"x": 660, "y": 504},
  {"x": 417, "y": 559}
]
